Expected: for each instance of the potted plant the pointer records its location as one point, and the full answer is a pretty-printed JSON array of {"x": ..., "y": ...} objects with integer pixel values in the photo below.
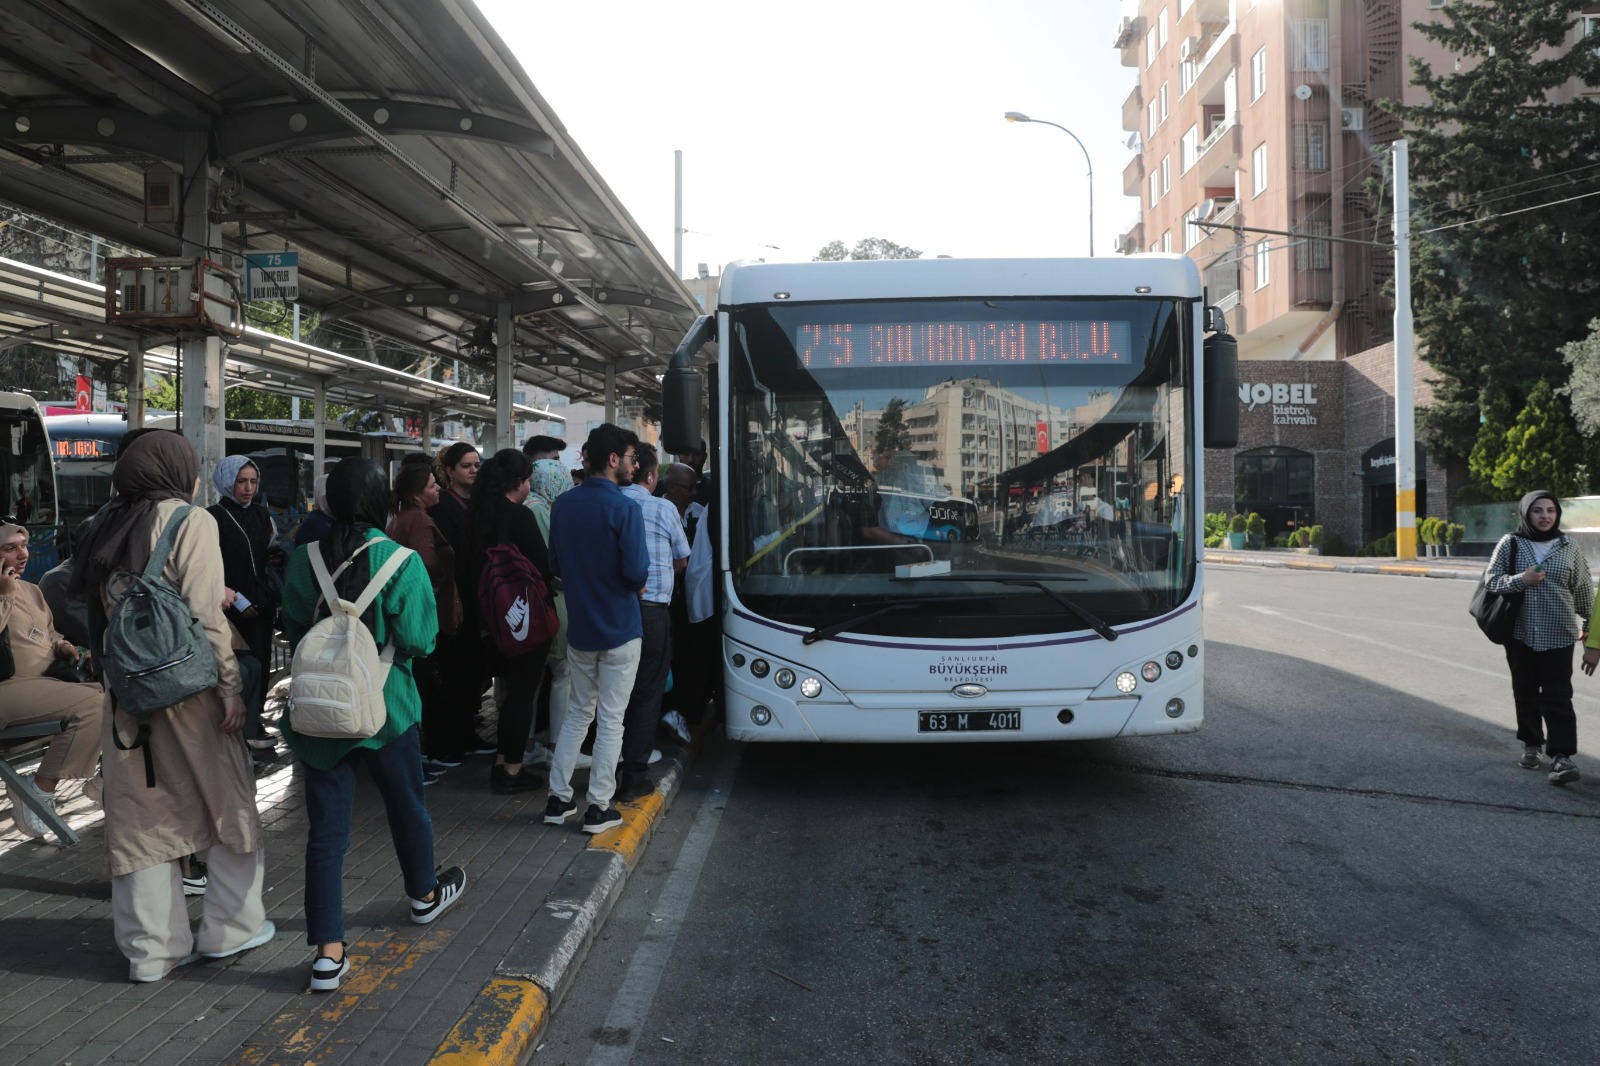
[
  {"x": 1454, "y": 533},
  {"x": 1256, "y": 527},
  {"x": 1236, "y": 532},
  {"x": 1314, "y": 538},
  {"x": 1428, "y": 534}
]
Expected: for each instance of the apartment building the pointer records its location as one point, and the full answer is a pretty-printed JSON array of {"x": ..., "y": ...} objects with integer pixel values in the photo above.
[{"x": 1262, "y": 115}]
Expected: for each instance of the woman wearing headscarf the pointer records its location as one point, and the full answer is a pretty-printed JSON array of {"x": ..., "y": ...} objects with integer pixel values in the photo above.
[
  {"x": 550, "y": 478},
  {"x": 445, "y": 732},
  {"x": 1550, "y": 571},
  {"x": 402, "y": 615},
  {"x": 202, "y": 800},
  {"x": 497, "y": 515},
  {"x": 315, "y": 524},
  {"x": 244, "y": 529}
]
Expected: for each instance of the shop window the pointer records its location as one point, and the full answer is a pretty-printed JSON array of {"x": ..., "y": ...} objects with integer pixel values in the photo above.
[{"x": 1279, "y": 483}]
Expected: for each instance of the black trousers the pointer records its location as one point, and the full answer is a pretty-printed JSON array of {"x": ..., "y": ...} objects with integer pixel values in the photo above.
[
  {"x": 644, "y": 705},
  {"x": 521, "y": 676},
  {"x": 457, "y": 680},
  {"x": 1541, "y": 684}
]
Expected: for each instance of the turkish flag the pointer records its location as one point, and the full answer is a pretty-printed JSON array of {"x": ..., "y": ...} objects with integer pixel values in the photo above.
[
  {"x": 1044, "y": 437},
  {"x": 85, "y": 394}
]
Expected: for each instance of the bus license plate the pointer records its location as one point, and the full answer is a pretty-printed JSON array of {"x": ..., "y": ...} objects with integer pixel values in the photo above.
[{"x": 968, "y": 721}]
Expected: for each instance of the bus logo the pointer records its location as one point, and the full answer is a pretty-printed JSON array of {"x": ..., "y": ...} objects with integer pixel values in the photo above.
[{"x": 969, "y": 691}]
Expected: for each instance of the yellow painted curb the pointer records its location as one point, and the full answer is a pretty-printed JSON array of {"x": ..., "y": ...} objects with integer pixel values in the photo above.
[
  {"x": 498, "y": 1028},
  {"x": 628, "y": 839},
  {"x": 1402, "y": 569}
]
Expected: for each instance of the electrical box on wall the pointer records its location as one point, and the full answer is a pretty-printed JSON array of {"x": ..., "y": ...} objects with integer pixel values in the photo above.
[{"x": 173, "y": 295}]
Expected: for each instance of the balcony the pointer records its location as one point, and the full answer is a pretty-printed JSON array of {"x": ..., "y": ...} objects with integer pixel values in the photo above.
[
  {"x": 1129, "y": 39},
  {"x": 1133, "y": 177},
  {"x": 1218, "y": 156},
  {"x": 1221, "y": 59},
  {"x": 1216, "y": 10},
  {"x": 1132, "y": 241},
  {"x": 1133, "y": 110}
]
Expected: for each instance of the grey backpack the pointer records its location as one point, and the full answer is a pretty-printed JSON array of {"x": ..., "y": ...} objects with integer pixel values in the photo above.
[{"x": 156, "y": 652}]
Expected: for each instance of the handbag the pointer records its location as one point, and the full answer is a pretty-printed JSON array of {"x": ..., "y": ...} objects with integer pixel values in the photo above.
[{"x": 1496, "y": 612}]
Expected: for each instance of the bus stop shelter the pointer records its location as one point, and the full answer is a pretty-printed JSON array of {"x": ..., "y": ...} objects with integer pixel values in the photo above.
[{"x": 394, "y": 146}]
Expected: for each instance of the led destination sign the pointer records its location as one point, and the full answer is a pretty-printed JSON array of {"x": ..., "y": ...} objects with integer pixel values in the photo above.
[
  {"x": 862, "y": 344},
  {"x": 80, "y": 448}
]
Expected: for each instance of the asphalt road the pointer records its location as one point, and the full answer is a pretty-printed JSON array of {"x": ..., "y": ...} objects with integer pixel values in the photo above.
[{"x": 1344, "y": 866}]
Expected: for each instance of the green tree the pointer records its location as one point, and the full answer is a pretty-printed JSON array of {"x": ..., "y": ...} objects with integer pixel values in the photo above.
[
  {"x": 1543, "y": 450},
  {"x": 892, "y": 436},
  {"x": 1498, "y": 289},
  {"x": 1583, "y": 382},
  {"x": 866, "y": 248}
]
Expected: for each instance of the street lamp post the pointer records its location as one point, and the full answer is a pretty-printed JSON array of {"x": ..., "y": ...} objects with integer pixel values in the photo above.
[{"x": 1018, "y": 116}]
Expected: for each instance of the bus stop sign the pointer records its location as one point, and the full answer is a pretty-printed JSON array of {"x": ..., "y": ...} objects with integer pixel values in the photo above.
[{"x": 273, "y": 276}]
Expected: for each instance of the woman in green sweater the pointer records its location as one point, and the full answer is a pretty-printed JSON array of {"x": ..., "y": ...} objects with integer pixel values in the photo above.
[{"x": 403, "y": 615}]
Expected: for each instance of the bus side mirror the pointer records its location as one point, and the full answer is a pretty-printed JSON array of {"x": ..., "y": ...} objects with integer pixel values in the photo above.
[
  {"x": 1221, "y": 416},
  {"x": 681, "y": 390}
]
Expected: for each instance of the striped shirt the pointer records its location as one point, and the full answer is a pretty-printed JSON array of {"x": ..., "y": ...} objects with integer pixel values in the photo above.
[
  {"x": 663, "y": 539},
  {"x": 1551, "y": 610}
]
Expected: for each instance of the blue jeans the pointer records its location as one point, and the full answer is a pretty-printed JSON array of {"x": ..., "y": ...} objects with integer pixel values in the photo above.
[{"x": 396, "y": 769}]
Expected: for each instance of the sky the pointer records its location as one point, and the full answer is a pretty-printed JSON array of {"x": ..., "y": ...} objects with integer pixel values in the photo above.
[{"x": 801, "y": 124}]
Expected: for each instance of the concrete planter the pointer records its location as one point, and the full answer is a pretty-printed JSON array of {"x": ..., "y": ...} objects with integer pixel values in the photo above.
[{"x": 1236, "y": 540}]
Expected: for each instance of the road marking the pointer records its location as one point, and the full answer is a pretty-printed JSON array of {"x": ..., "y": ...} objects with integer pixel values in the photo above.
[
  {"x": 1498, "y": 675},
  {"x": 637, "y": 992}
]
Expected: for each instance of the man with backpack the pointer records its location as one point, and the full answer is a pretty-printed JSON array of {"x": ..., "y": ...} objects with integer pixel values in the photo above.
[{"x": 597, "y": 550}]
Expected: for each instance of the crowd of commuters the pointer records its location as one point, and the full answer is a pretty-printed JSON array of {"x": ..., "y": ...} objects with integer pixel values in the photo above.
[{"x": 609, "y": 544}]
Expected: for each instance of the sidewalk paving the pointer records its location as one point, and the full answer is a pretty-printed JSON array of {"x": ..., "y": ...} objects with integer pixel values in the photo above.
[
  {"x": 1460, "y": 567},
  {"x": 65, "y": 997}
]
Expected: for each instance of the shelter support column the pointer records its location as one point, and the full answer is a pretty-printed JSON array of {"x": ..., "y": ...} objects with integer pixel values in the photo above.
[
  {"x": 319, "y": 427},
  {"x": 504, "y": 363},
  {"x": 611, "y": 393},
  {"x": 202, "y": 361},
  {"x": 135, "y": 384}
]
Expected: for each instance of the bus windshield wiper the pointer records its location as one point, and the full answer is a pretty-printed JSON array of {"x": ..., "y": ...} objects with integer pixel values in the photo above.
[
  {"x": 1027, "y": 581},
  {"x": 830, "y": 631}
]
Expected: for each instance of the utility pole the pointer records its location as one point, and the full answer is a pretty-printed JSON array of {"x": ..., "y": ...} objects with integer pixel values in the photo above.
[{"x": 1405, "y": 430}]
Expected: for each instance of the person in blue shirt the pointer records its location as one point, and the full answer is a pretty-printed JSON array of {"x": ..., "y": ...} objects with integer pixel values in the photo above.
[{"x": 597, "y": 550}]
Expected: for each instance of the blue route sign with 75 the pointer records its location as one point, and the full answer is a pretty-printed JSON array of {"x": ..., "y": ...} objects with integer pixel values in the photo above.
[{"x": 272, "y": 276}]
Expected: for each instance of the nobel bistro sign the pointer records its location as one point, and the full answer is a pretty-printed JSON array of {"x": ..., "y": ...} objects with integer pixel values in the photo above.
[{"x": 1292, "y": 403}]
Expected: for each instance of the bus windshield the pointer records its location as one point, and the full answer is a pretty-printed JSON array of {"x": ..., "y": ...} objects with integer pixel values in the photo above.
[{"x": 879, "y": 451}]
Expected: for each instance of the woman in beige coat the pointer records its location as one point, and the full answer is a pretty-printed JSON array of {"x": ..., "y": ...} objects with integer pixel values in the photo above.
[{"x": 203, "y": 798}]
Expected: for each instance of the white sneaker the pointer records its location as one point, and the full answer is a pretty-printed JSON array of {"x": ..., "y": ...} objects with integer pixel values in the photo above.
[
  {"x": 537, "y": 756},
  {"x": 27, "y": 821},
  {"x": 673, "y": 720}
]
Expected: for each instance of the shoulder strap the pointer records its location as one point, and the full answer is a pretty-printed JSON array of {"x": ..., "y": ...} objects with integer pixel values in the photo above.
[
  {"x": 329, "y": 594},
  {"x": 163, "y": 548},
  {"x": 381, "y": 578}
]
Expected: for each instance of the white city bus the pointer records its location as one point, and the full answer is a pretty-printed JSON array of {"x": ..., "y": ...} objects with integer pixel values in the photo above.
[
  {"x": 1005, "y": 382},
  {"x": 28, "y": 480}
]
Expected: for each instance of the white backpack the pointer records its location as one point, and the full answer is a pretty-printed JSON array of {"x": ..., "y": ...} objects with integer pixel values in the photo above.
[{"x": 337, "y": 675}]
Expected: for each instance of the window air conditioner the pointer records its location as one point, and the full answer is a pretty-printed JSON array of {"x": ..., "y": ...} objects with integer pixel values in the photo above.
[
  {"x": 1352, "y": 119},
  {"x": 1189, "y": 48}
]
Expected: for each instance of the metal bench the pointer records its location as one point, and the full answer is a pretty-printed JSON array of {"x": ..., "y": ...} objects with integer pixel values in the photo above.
[{"x": 16, "y": 790}]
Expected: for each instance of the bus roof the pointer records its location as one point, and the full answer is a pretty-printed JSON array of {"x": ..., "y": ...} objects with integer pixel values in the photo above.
[
  {"x": 749, "y": 282},
  {"x": 96, "y": 426}
]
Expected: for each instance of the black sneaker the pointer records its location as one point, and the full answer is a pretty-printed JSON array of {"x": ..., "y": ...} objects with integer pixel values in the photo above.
[
  {"x": 326, "y": 973},
  {"x": 506, "y": 784},
  {"x": 452, "y": 882},
  {"x": 597, "y": 821},
  {"x": 636, "y": 790},
  {"x": 195, "y": 881},
  {"x": 1530, "y": 757},
  {"x": 482, "y": 747},
  {"x": 558, "y": 810}
]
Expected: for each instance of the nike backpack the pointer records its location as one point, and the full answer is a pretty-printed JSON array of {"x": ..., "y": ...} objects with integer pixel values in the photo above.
[
  {"x": 337, "y": 673},
  {"x": 516, "y": 604}
]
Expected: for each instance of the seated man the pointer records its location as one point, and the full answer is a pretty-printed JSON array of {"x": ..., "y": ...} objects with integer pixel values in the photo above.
[{"x": 28, "y": 695}]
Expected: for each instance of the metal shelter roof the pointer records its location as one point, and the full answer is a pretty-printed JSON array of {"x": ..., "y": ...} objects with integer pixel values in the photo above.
[
  {"x": 395, "y": 144},
  {"x": 68, "y": 315}
]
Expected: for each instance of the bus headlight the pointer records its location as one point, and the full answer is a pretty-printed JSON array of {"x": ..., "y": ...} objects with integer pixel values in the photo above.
[
  {"x": 810, "y": 688},
  {"x": 784, "y": 678},
  {"x": 760, "y": 667},
  {"x": 1174, "y": 708},
  {"x": 760, "y": 715},
  {"x": 1151, "y": 671},
  {"x": 1126, "y": 682}
]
